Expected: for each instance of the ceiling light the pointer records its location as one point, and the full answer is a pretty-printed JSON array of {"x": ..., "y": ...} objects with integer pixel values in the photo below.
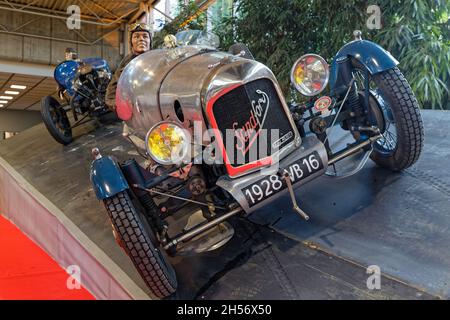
[
  {"x": 12, "y": 92},
  {"x": 15, "y": 86},
  {"x": 2, "y": 105},
  {"x": 3, "y": 101},
  {"x": 6, "y": 97}
]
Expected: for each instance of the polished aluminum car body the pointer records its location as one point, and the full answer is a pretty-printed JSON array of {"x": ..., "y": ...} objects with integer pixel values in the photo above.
[{"x": 158, "y": 82}]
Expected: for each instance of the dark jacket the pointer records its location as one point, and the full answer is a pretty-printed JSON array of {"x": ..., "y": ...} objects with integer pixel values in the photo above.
[{"x": 110, "y": 98}]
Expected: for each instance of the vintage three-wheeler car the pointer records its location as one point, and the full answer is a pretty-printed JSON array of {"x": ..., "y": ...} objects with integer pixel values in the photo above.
[{"x": 218, "y": 139}]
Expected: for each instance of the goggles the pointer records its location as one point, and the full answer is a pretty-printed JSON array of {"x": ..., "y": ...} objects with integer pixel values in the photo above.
[{"x": 139, "y": 26}]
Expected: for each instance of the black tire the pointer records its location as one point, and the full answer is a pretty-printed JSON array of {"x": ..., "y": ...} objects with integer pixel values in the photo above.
[
  {"x": 409, "y": 125},
  {"x": 56, "y": 120},
  {"x": 136, "y": 238},
  {"x": 401, "y": 110}
]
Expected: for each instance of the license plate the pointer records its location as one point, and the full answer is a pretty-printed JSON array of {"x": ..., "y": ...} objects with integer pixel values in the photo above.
[{"x": 272, "y": 184}]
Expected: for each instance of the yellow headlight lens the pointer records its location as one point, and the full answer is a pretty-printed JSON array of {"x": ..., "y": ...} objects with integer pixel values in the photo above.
[
  {"x": 310, "y": 74},
  {"x": 167, "y": 143}
]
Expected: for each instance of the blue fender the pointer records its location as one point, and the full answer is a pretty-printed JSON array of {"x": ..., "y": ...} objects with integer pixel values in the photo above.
[
  {"x": 65, "y": 73},
  {"x": 369, "y": 54},
  {"x": 107, "y": 178}
]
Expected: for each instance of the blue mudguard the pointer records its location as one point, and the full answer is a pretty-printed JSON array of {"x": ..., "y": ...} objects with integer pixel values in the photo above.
[
  {"x": 107, "y": 178},
  {"x": 369, "y": 54}
]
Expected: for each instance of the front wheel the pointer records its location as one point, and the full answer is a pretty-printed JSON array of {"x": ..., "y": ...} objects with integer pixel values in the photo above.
[
  {"x": 56, "y": 120},
  {"x": 138, "y": 242},
  {"x": 402, "y": 130}
]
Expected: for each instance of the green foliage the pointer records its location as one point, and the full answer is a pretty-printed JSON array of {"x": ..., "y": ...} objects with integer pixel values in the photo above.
[
  {"x": 416, "y": 32},
  {"x": 418, "y": 35},
  {"x": 185, "y": 11}
]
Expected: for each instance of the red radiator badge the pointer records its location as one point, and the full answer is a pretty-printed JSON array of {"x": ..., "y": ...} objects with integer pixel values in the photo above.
[{"x": 322, "y": 104}]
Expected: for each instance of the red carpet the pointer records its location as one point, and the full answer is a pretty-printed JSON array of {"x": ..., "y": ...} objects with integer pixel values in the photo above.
[{"x": 28, "y": 273}]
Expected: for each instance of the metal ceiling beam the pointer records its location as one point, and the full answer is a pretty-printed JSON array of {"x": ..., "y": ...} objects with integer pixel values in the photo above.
[
  {"x": 83, "y": 3},
  {"x": 24, "y": 25},
  {"x": 163, "y": 13},
  {"x": 32, "y": 69},
  {"x": 29, "y": 4},
  {"x": 9, "y": 4},
  {"x": 103, "y": 8},
  {"x": 64, "y": 16},
  {"x": 144, "y": 7},
  {"x": 52, "y": 10},
  {"x": 59, "y": 39}
]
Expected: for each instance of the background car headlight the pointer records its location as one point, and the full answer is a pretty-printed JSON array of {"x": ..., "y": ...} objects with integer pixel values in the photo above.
[
  {"x": 310, "y": 74},
  {"x": 167, "y": 143}
]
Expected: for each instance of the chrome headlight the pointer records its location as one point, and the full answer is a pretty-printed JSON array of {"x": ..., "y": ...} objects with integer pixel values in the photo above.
[
  {"x": 310, "y": 74},
  {"x": 167, "y": 143}
]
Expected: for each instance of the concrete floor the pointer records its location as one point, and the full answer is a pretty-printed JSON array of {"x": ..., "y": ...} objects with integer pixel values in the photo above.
[{"x": 399, "y": 222}]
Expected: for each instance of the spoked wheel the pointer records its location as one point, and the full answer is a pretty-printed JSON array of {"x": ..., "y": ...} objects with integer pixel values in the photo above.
[
  {"x": 56, "y": 120},
  {"x": 395, "y": 110},
  {"x": 139, "y": 242}
]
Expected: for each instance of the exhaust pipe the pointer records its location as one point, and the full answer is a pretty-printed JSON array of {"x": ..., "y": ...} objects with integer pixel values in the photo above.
[{"x": 202, "y": 228}]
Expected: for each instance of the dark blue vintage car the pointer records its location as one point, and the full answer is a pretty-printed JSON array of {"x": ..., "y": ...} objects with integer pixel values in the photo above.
[{"x": 82, "y": 87}]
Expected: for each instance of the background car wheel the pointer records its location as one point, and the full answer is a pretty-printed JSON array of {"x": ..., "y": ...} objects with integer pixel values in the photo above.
[
  {"x": 138, "y": 241},
  {"x": 56, "y": 121},
  {"x": 402, "y": 130}
]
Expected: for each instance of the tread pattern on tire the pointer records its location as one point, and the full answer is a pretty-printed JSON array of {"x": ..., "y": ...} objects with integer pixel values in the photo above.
[
  {"x": 137, "y": 245},
  {"x": 410, "y": 132}
]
